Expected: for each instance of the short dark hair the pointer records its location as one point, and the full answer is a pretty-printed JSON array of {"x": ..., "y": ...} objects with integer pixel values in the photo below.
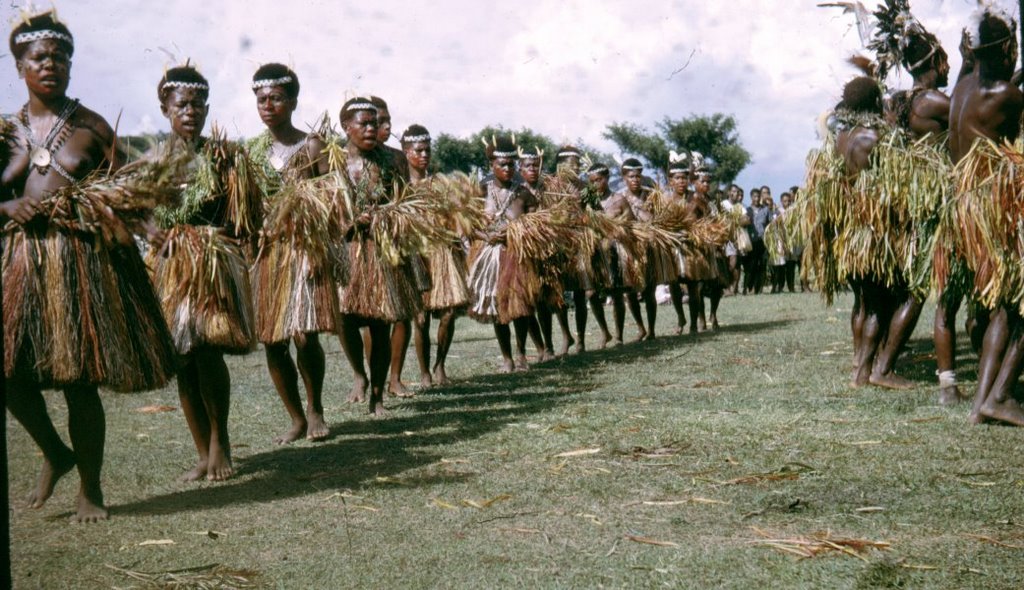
[
  {"x": 276, "y": 71},
  {"x": 379, "y": 102},
  {"x": 355, "y": 105},
  {"x": 46, "y": 21},
  {"x": 862, "y": 95},
  {"x": 414, "y": 131},
  {"x": 186, "y": 74}
]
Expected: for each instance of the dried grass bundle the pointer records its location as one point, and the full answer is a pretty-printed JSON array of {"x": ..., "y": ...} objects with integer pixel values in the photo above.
[
  {"x": 202, "y": 280},
  {"x": 985, "y": 224},
  {"x": 79, "y": 311},
  {"x": 821, "y": 543}
]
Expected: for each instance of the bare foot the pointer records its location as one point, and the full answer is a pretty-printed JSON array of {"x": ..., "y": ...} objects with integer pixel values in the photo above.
[
  {"x": 580, "y": 346},
  {"x": 297, "y": 430},
  {"x": 641, "y": 336},
  {"x": 398, "y": 389},
  {"x": 890, "y": 381},
  {"x": 702, "y": 325},
  {"x": 565, "y": 346},
  {"x": 617, "y": 342},
  {"x": 425, "y": 381},
  {"x": 521, "y": 364},
  {"x": 358, "y": 393},
  {"x": 90, "y": 508},
  {"x": 605, "y": 339},
  {"x": 377, "y": 409},
  {"x": 440, "y": 377},
  {"x": 545, "y": 356},
  {"x": 1008, "y": 411},
  {"x": 714, "y": 324},
  {"x": 48, "y": 477},
  {"x": 507, "y": 366},
  {"x": 317, "y": 429},
  {"x": 220, "y": 467},
  {"x": 950, "y": 395},
  {"x": 195, "y": 474},
  {"x": 679, "y": 330}
]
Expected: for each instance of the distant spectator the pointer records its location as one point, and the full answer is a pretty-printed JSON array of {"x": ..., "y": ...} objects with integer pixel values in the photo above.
[{"x": 760, "y": 216}]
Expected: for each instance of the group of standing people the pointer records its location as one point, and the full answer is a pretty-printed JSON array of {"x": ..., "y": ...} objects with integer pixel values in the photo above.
[
  {"x": 124, "y": 276},
  {"x": 920, "y": 193}
]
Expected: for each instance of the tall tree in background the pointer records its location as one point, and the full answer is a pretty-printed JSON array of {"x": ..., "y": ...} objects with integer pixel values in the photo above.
[
  {"x": 714, "y": 136},
  {"x": 451, "y": 153}
]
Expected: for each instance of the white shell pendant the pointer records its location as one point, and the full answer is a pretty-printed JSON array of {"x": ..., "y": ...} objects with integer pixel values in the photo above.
[{"x": 40, "y": 157}]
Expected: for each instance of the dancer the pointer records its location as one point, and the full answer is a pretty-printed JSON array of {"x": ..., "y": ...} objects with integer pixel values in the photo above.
[
  {"x": 79, "y": 311},
  {"x": 295, "y": 293},
  {"x": 623, "y": 270}
]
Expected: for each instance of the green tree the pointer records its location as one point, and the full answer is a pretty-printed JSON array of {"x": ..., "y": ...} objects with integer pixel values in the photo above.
[
  {"x": 715, "y": 136},
  {"x": 453, "y": 154}
]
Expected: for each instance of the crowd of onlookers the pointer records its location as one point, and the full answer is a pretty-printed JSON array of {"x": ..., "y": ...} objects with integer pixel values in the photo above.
[{"x": 760, "y": 265}]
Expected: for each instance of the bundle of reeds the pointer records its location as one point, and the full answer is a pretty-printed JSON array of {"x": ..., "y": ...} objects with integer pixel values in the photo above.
[
  {"x": 202, "y": 280},
  {"x": 816, "y": 212},
  {"x": 77, "y": 310}
]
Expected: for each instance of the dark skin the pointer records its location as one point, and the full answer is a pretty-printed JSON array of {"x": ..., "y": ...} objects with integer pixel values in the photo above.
[
  {"x": 617, "y": 206},
  {"x": 418, "y": 154},
  {"x": 986, "y": 104},
  {"x": 713, "y": 291},
  {"x": 204, "y": 384},
  {"x": 748, "y": 262},
  {"x": 530, "y": 170},
  {"x": 581, "y": 297},
  {"x": 45, "y": 66},
  {"x": 679, "y": 182},
  {"x": 736, "y": 199},
  {"x": 635, "y": 187},
  {"x": 361, "y": 127},
  {"x": 275, "y": 107}
]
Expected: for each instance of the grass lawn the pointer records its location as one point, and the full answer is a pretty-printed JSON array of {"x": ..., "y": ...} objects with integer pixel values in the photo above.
[{"x": 674, "y": 463}]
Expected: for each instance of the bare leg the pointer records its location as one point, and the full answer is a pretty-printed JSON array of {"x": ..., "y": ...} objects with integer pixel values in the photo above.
[
  {"x": 286, "y": 381},
  {"x": 734, "y": 275},
  {"x": 699, "y": 319},
  {"x": 87, "y": 428},
  {"x": 195, "y": 415},
  {"x": 445, "y": 333},
  {"x": 562, "y": 313},
  {"x": 597, "y": 307},
  {"x": 309, "y": 356},
  {"x": 215, "y": 389},
  {"x": 401, "y": 333},
  {"x": 544, "y": 319},
  {"x": 714, "y": 293},
  {"x": 521, "y": 327},
  {"x": 651, "y": 307},
  {"x": 618, "y": 315},
  {"x": 999, "y": 404},
  {"x": 421, "y": 337},
  {"x": 352, "y": 343},
  {"x": 379, "y": 360},
  {"x": 944, "y": 337},
  {"x": 633, "y": 302},
  {"x": 901, "y": 326},
  {"x": 25, "y": 402},
  {"x": 504, "y": 336},
  {"x": 695, "y": 302},
  {"x": 533, "y": 329},
  {"x": 857, "y": 316},
  {"x": 676, "y": 293},
  {"x": 871, "y": 334},
  {"x": 997, "y": 337},
  {"x": 579, "y": 303}
]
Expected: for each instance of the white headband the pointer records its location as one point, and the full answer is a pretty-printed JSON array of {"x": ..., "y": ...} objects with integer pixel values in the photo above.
[
  {"x": 416, "y": 138},
  {"x": 256, "y": 85},
  {"x": 504, "y": 154},
  {"x": 568, "y": 154},
  {"x": 361, "y": 106},
  {"x": 598, "y": 170},
  {"x": 177, "y": 84},
  {"x": 631, "y": 167},
  {"x": 43, "y": 34}
]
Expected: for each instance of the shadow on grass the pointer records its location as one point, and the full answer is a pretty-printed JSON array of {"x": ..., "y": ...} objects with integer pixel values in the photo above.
[
  {"x": 370, "y": 452},
  {"x": 917, "y": 361}
]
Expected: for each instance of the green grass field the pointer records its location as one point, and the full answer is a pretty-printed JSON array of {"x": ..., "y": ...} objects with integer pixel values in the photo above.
[{"x": 684, "y": 463}]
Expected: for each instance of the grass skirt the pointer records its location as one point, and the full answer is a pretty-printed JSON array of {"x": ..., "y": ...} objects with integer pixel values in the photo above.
[
  {"x": 662, "y": 266},
  {"x": 448, "y": 287},
  {"x": 377, "y": 289},
  {"x": 619, "y": 269},
  {"x": 503, "y": 286},
  {"x": 203, "y": 283},
  {"x": 983, "y": 225},
  {"x": 79, "y": 312}
]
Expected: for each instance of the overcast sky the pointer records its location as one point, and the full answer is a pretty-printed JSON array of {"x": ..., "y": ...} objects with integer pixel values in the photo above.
[{"x": 566, "y": 68}]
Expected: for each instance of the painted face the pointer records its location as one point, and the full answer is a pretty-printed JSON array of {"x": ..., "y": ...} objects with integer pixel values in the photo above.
[
  {"x": 274, "y": 105},
  {"x": 599, "y": 182},
  {"x": 702, "y": 184},
  {"x": 46, "y": 67},
  {"x": 361, "y": 130},
  {"x": 529, "y": 169},
  {"x": 383, "y": 126},
  {"x": 633, "y": 180},
  {"x": 570, "y": 163},
  {"x": 679, "y": 181},
  {"x": 186, "y": 109},
  {"x": 418, "y": 155},
  {"x": 503, "y": 168}
]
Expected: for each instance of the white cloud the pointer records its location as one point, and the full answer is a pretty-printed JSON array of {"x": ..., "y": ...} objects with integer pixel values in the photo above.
[{"x": 565, "y": 68}]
